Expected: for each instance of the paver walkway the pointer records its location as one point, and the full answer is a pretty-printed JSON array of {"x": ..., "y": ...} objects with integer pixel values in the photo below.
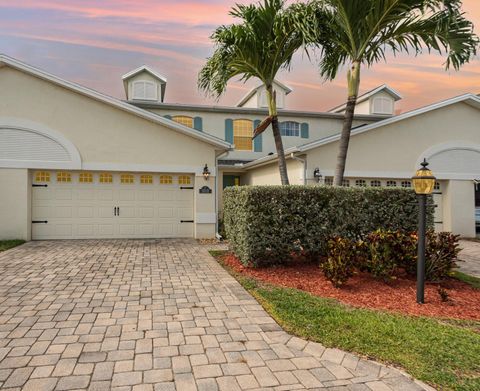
[
  {"x": 469, "y": 258},
  {"x": 153, "y": 315}
]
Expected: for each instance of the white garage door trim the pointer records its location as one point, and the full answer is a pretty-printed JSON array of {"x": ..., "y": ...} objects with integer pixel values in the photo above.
[{"x": 84, "y": 205}]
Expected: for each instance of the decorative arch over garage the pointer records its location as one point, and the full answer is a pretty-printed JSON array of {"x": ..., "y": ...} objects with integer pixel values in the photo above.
[
  {"x": 454, "y": 160},
  {"x": 26, "y": 144}
]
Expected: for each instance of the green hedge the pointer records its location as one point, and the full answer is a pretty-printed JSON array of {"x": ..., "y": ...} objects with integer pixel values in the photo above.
[{"x": 271, "y": 224}]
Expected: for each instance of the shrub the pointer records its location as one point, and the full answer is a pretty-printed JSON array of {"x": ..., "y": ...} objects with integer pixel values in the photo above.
[
  {"x": 386, "y": 250},
  {"x": 339, "y": 265},
  {"x": 440, "y": 255},
  {"x": 269, "y": 224}
]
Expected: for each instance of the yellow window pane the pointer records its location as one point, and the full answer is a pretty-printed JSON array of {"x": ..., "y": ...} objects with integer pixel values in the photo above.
[
  {"x": 183, "y": 180},
  {"x": 63, "y": 176},
  {"x": 127, "y": 178},
  {"x": 42, "y": 176},
  {"x": 166, "y": 179},
  {"x": 146, "y": 179},
  {"x": 184, "y": 120},
  {"x": 242, "y": 134},
  {"x": 85, "y": 177},
  {"x": 106, "y": 177}
]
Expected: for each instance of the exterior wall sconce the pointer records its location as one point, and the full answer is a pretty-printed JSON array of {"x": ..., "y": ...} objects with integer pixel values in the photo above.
[
  {"x": 423, "y": 184},
  {"x": 206, "y": 172},
  {"x": 317, "y": 175}
]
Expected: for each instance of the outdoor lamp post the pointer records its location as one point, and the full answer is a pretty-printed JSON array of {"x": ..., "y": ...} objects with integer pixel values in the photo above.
[{"x": 423, "y": 183}]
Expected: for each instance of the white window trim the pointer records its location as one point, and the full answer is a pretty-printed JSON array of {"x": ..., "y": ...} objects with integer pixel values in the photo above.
[{"x": 382, "y": 100}]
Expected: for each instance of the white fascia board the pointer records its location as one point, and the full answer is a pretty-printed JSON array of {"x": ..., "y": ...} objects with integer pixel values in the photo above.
[
  {"x": 250, "y": 93},
  {"x": 115, "y": 102},
  {"x": 327, "y": 140},
  {"x": 269, "y": 159},
  {"x": 145, "y": 68}
]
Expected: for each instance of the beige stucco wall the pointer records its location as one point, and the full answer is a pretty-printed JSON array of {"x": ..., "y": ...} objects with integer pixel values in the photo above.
[
  {"x": 15, "y": 190},
  {"x": 105, "y": 135},
  {"x": 269, "y": 174}
]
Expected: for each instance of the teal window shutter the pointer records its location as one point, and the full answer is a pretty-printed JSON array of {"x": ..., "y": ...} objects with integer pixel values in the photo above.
[
  {"x": 304, "y": 130},
  {"x": 168, "y": 116},
  {"x": 197, "y": 123},
  {"x": 257, "y": 141},
  {"x": 229, "y": 130}
]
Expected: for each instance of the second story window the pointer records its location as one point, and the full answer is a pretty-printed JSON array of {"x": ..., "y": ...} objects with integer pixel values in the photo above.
[
  {"x": 290, "y": 128},
  {"x": 143, "y": 89},
  {"x": 184, "y": 120},
  {"x": 242, "y": 134}
]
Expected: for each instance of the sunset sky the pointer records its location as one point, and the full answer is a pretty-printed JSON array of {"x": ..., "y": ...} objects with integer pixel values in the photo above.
[{"x": 94, "y": 42}]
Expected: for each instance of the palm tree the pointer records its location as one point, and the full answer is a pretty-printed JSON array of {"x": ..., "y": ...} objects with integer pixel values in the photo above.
[
  {"x": 258, "y": 47},
  {"x": 360, "y": 33}
]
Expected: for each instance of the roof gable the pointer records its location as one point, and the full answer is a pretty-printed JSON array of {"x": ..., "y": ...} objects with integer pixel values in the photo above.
[
  {"x": 23, "y": 67},
  {"x": 361, "y": 98},
  {"x": 252, "y": 92}
]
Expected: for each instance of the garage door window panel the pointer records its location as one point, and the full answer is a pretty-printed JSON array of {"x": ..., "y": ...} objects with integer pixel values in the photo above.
[
  {"x": 127, "y": 179},
  {"x": 42, "y": 176},
  {"x": 146, "y": 179},
  {"x": 64, "y": 177},
  {"x": 106, "y": 177},
  {"x": 166, "y": 179},
  {"x": 85, "y": 177},
  {"x": 184, "y": 180}
]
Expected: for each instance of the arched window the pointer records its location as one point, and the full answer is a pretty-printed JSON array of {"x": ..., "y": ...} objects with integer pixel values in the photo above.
[
  {"x": 382, "y": 105},
  {"x": 406, "y": 184},
  {"x": 346, "y": 183},
  {"x": 184, "y": 120},
  {"x": 144, "y": 89},
  {"x": 290, "y": 128},
  {"x": 375, "y": 183},
  {"x": 242, "y": 134},
  {"x": 391, "y": 183}
]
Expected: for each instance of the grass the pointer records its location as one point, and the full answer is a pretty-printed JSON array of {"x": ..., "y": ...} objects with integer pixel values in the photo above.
[
  {"x": 473, "y": 281},
  {"x": 8, "y": 244},
  {"x": 444, "y": 354}
]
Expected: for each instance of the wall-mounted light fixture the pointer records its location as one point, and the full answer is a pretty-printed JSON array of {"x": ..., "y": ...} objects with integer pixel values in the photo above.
[
  {"x": 317, "y": 175},
  {"x": 206, "y": 172}
]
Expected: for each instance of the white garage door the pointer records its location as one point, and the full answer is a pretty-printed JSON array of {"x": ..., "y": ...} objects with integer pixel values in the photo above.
[{"x": 82, "y": 205}]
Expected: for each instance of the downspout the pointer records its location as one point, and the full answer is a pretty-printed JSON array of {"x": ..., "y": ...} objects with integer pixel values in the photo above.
[{"x": 304, "y": 162}]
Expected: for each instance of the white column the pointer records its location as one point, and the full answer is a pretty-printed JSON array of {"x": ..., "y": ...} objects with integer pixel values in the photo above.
[{"x": 459, "y": 207}]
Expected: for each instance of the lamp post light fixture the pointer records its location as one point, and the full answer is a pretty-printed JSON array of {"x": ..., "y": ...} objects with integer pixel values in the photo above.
[
  {"x": 317, "y": 175},
  {"x": 206, "y": 172},
  {"x": 423, "y": 183}
]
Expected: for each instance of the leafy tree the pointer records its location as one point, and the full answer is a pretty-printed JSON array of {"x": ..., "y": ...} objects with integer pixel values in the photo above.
[
  {"x": 258, "y": 47},
  {"x": 356, "y": 33}
]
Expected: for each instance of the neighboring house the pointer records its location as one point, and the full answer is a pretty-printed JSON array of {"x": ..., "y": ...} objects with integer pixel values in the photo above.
[{"x": 75, "y": 163}]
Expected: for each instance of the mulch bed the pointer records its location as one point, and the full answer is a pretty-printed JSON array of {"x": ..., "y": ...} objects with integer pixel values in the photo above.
[{"x": 364, "y": 291}]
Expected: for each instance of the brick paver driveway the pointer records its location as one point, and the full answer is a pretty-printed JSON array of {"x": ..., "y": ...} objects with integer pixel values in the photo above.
[{"x": 152, "y": 315}]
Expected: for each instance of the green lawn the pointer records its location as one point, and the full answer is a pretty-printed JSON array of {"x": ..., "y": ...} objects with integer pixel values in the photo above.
[
  {"x": 7, "y": 244},
  {"x": 473, "y": 281},
  {"x": 444, "y": 354}
]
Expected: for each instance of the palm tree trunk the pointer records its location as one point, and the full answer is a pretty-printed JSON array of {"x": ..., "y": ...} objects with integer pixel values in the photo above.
[
  {"x": 282, "y": 163},
  {"x": 272, "y": 108},
  {"x": 353, "y": 84}
]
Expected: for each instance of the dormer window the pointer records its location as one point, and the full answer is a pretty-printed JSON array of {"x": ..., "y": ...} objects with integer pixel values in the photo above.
[
  {"x": 146, "y": 90},
  {"x": 382, "y": 105}
]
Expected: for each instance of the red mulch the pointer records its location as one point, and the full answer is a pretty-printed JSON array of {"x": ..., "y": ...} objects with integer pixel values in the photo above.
[{"x": 362, "y": 290}]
